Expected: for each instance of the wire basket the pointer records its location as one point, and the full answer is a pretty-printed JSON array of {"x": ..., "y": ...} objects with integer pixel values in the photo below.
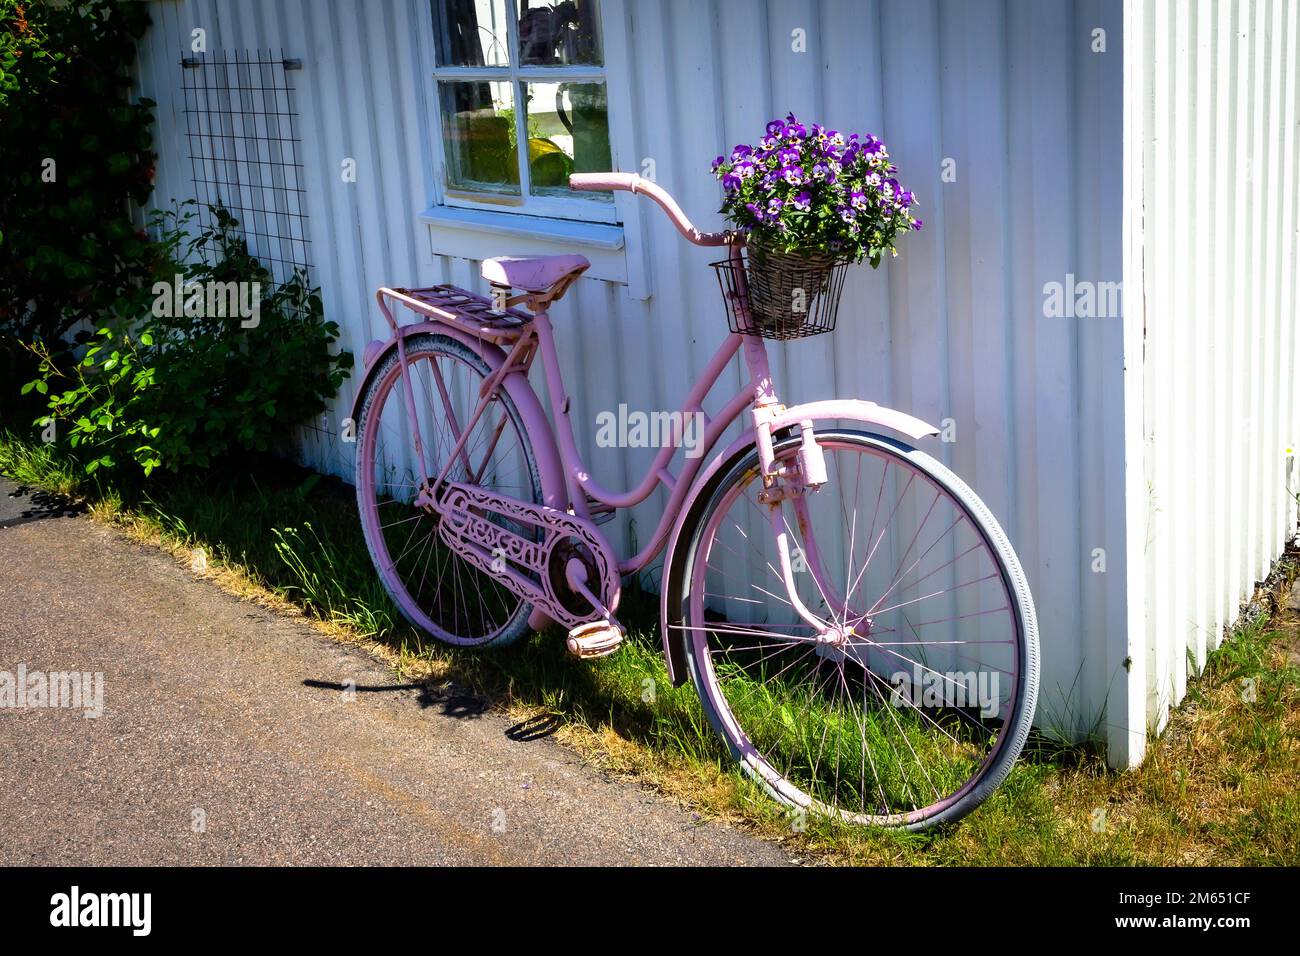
[{"x": 788, "y": 296}]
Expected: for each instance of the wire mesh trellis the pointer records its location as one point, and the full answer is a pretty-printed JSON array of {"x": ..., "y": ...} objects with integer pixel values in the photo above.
[
  {"x": 242, "y": 130},
  {"x": 241, "y": 127}
]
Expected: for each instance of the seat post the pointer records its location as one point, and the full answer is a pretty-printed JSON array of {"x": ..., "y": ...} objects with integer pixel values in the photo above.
[{"x": 559, "y": 399}]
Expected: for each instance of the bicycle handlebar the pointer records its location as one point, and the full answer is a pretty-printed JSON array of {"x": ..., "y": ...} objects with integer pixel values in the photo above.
[{"x": 631, "y": 182}]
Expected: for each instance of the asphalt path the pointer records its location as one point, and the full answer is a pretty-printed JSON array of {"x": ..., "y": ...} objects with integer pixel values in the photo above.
[{"x": 230, "y": 734}]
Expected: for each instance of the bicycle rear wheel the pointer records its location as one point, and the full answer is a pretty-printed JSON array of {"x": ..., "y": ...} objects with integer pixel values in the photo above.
[
  {"x": 909, "y": 701},
  {"x": 437, "y": 590}
]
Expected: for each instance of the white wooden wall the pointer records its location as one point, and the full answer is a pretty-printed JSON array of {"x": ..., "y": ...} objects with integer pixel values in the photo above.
[
  {"x": 1010, "y": 90},
  {"x": 1211, "y": 152}
]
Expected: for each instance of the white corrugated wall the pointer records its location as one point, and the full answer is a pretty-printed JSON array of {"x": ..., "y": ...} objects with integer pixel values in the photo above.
[
  {"x": 1211, "y": 141},
  {"x": 1012, "y": 92}
]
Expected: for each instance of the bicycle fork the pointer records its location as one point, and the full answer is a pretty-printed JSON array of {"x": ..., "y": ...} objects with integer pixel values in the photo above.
[{"x": 794, "y": 482}]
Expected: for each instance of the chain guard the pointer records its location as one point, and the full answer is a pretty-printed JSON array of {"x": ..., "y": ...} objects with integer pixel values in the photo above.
[{"x": 519, "y": 563}]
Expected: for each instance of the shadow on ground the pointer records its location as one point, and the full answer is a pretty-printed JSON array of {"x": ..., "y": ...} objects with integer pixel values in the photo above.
[
  {"x": 25, "y": 504},
  {"x": 453, "y": 704}
]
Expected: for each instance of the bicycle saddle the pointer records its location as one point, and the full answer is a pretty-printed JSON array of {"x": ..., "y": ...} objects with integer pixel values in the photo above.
[{"x": 534, "y": 274}]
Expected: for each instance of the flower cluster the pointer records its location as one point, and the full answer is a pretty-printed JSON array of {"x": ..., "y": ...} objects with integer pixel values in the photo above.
[{"x": 811, "y": 188}]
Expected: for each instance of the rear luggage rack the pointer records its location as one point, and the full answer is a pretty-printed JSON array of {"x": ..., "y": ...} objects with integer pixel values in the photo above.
[{"x": 458, "y": 307}]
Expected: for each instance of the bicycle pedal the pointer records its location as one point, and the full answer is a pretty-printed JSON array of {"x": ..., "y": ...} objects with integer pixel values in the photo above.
[{"x": 595, "y": 639}]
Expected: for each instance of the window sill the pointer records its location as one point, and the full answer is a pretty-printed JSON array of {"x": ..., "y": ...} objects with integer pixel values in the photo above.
[{"x": 480, "y": 234}]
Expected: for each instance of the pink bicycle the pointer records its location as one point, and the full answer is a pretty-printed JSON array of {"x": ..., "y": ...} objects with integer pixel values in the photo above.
[{"x": 855, "y": 622}]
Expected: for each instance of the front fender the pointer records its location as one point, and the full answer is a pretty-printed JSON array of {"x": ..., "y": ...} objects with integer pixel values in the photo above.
[
  {"x": 857, "y": 410},
  {"x": 854, "y": 410},
  {"x": 845, "y": 410}
]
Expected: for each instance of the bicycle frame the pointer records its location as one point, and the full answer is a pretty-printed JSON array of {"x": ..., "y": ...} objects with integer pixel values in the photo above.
[
  {"x": 581, "y": 484},
  {"x": 554, "y": 439}
]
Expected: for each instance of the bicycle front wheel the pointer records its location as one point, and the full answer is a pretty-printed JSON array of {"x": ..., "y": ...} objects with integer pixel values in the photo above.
[{"x": 908, "y": 700}]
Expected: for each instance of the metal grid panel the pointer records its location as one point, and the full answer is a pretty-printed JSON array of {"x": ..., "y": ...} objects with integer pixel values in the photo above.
[{"x": 241, "y": 127}]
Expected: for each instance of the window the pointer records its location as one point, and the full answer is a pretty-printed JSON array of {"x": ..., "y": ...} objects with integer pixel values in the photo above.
[{"x": 512, "y": 72}]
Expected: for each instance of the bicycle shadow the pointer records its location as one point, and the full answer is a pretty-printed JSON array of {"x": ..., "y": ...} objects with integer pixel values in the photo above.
[
  {"x": 457, "y": 705},
  {"x": 454, "y": 704}
]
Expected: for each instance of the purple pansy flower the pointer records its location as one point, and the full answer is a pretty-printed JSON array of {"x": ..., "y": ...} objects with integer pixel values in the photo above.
[{"x": 811, "y": 187}]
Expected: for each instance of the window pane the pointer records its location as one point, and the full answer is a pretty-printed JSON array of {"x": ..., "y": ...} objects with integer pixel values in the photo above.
[
  {"x": 568, "y": 132},
  {"x": 559, "y": 34},
  {"x": 471, "y": 32},
  {"x": 478, "y": 127}
]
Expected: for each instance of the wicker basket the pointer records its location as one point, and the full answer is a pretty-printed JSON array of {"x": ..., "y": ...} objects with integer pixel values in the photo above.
[{"x": 790, "y": 295}]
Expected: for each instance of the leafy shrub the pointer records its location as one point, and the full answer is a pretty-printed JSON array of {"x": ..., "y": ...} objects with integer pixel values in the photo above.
[
  {"x": 160, "y": 386},
  {"x": 75, "y": 155}
]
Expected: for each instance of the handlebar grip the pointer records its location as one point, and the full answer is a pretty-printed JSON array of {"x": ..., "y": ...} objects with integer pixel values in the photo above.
[{"x": 608, "y": 182}]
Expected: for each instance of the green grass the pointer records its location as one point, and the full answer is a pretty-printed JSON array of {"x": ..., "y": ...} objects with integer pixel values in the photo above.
[
  {"x": 33, "y": 463},
  {"x": 1219, "y": 787}
]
